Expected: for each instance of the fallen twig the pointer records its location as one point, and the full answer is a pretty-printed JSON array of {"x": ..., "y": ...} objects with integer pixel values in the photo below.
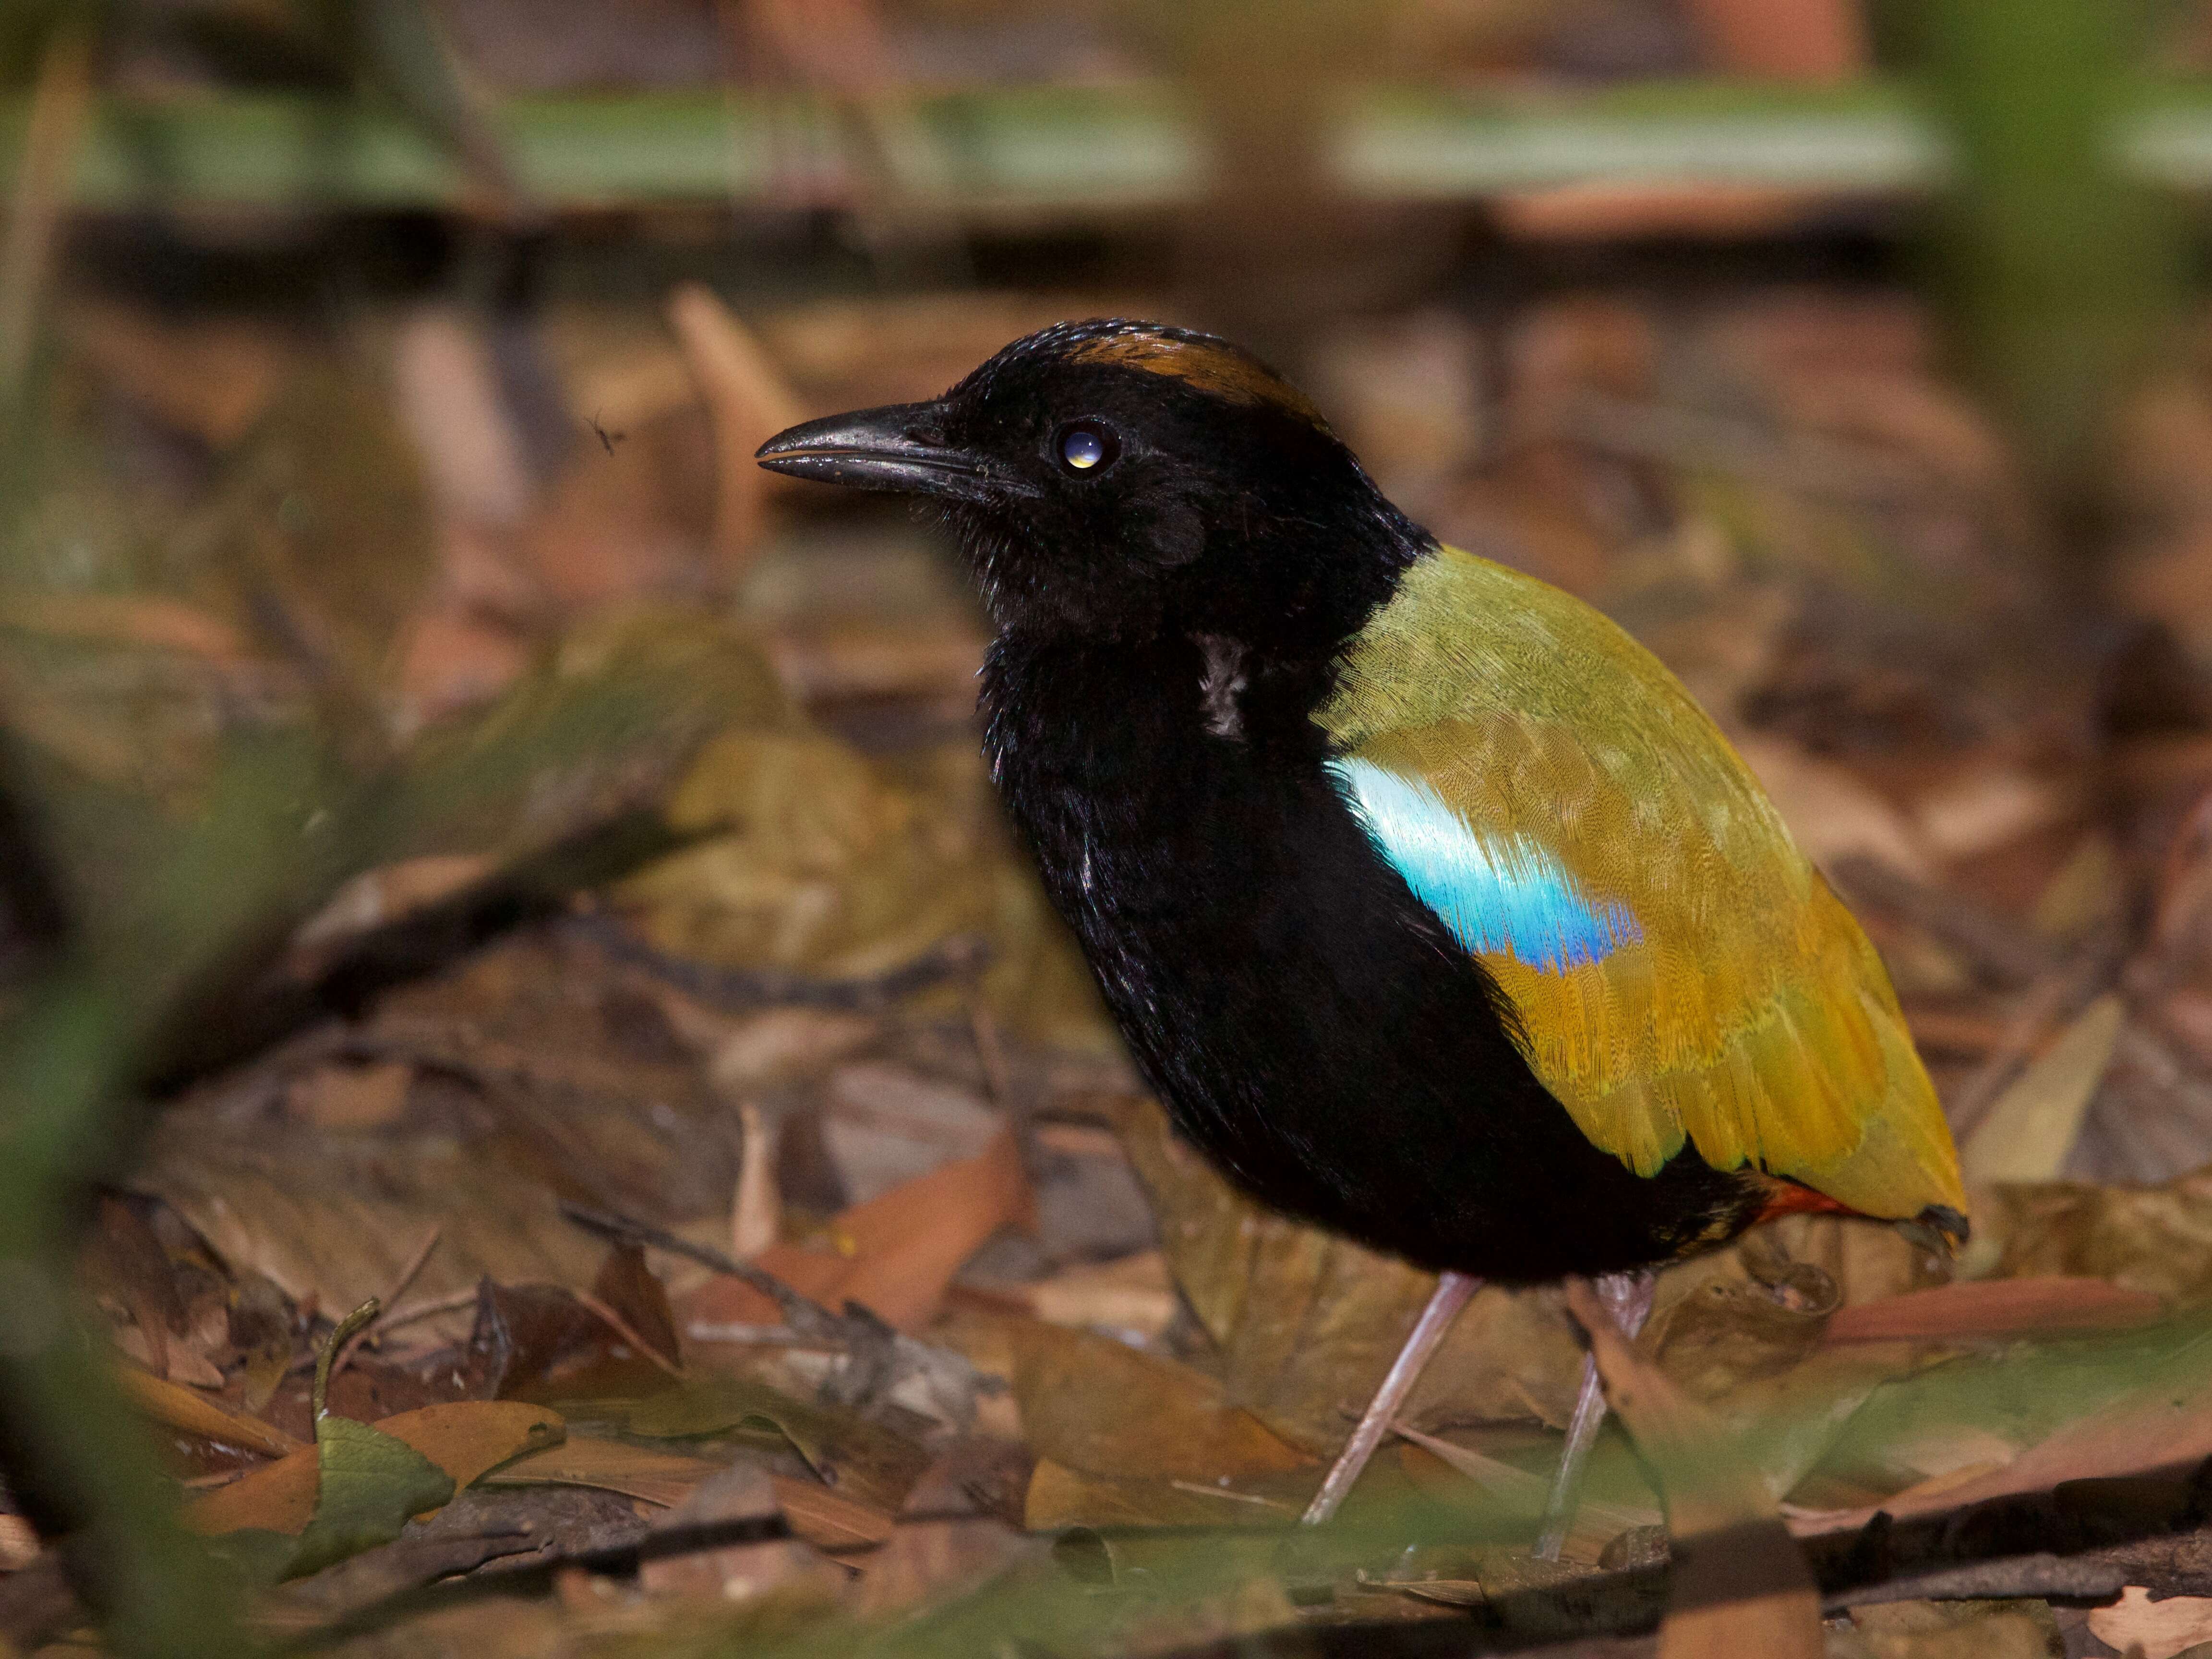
[
  {"x": 801, "y": 1312},
  {"x": 377, "y": 1323},
  {"x": 621, "y": 1327}
]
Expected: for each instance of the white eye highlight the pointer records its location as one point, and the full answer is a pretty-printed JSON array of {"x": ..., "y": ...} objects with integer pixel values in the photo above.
[{"x": 1085, "y": 446}]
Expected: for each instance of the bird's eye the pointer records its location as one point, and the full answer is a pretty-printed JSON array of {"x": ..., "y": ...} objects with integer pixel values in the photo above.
[{"x": 1086, "y": 447}]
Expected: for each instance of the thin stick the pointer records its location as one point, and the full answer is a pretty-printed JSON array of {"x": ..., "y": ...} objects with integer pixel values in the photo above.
[
  {"x": 1451, "y": 1294},
  {"x": 621, "y": 1327},
  {"x": 406, "y": 1278},
  {"x": 801, "y": 1312},
  {"x": 451, "y": 1302},
  {"x": 414, "y": 1265}
]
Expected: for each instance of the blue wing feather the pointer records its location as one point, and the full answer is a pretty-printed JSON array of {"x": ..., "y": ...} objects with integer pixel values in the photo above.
[{"x": 1498, "y": 894}]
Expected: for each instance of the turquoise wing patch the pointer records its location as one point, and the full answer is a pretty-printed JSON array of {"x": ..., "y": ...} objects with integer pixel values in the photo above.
[{"x": 1498, "y": 894}]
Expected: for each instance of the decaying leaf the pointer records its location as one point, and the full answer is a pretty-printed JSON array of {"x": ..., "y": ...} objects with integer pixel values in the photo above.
[
  {"x": 1095, "y": 1404},
  {"x": 657, "y": 1477},
  {"x": 898, "y": 1251},
  {"x": 2032, "y": 1125},
  {"x": 1982, "y": 1311},
  {"x": 465, "y": 1439},
  {"x": 627, "y": 1288},
  {"x": 831, "y": 1520},
  {"x": 2153, "y": 1240},
  {"x": 181, "y": 1408},
  {"x": 1060, "y": 1497},
  {"x": 2156, "y": 1630}
]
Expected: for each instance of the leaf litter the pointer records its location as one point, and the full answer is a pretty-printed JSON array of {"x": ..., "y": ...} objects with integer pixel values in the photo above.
[{"x": 998, "y": 1341}]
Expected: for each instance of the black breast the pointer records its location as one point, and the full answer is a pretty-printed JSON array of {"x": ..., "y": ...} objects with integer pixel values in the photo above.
[{"x": 1307, "y": 1021}]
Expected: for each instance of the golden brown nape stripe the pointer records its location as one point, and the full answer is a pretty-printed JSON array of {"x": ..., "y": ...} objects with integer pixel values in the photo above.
[{"x": 1210, "y": 365}]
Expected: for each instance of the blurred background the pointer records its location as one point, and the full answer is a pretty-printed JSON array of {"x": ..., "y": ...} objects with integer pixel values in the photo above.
[{"x": 443, "y": 778}]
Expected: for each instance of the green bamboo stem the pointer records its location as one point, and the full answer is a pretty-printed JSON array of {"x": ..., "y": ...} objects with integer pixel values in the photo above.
[{"x": 1089, "y": 153}]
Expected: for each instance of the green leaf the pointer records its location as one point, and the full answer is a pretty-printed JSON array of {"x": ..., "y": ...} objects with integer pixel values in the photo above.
[{"x": 370, "y": 1484}]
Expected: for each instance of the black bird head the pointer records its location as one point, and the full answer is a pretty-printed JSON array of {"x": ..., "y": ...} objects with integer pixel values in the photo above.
[{"x": 1127, "y": 480}]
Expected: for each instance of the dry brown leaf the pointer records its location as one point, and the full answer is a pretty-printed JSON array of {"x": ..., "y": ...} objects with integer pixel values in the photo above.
[
  {"x": 464, "y": 1438},
  {"x": 2153, "y": 1240},
  {"x": 2032, "y": 1125},
  {"x": 181, "y": 1408},
  {"x": 1989, "y": 1310},
  {"x": 899, "y": 1250},
  {"x": 467, "y": 1438},
  {"x": 333, "y": 1219},
  {"x": 1095, "y": 1404},
  {"x": 627, "y": 1288},
  {"x": 123, "y": 1259},
  {"x": 657, "y": 1477},
  {"x": 830, "y": 1521},
  {"x": 351, "y": 1097},
  {"x": 1060, "y": 1497},
  {"x": 530, "y": 1104},
  {"x": 2156, "y": 1630},
  {"x": 828, "y": 867}
]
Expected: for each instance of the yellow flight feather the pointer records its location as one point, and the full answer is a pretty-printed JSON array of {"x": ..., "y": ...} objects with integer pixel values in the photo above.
[{"x": 1752, "y": 1018}]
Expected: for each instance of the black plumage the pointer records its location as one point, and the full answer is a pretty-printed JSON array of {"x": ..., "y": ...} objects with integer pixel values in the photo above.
[{"x": 1167, "y": 630}]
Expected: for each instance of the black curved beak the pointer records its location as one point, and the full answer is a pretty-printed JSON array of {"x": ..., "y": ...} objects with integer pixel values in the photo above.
[{"x": 894, "y": 447}]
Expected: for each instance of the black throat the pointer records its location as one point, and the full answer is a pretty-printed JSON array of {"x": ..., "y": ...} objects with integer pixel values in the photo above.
[{"x": 1307, "y": 1021}]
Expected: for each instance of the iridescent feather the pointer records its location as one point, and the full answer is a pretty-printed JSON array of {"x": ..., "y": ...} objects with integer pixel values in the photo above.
[{"x": 1682, "y": 972}]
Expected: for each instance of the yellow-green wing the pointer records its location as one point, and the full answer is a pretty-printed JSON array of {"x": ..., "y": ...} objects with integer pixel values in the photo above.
[{"x": 1680, "y": 970}]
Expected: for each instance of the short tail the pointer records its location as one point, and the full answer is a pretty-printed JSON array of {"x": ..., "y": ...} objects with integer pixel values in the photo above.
[{"x": 1939, "y": 1227}]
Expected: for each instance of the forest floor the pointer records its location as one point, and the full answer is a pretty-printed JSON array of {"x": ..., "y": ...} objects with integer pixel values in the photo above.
[{"x": 773, "y": 1249}]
